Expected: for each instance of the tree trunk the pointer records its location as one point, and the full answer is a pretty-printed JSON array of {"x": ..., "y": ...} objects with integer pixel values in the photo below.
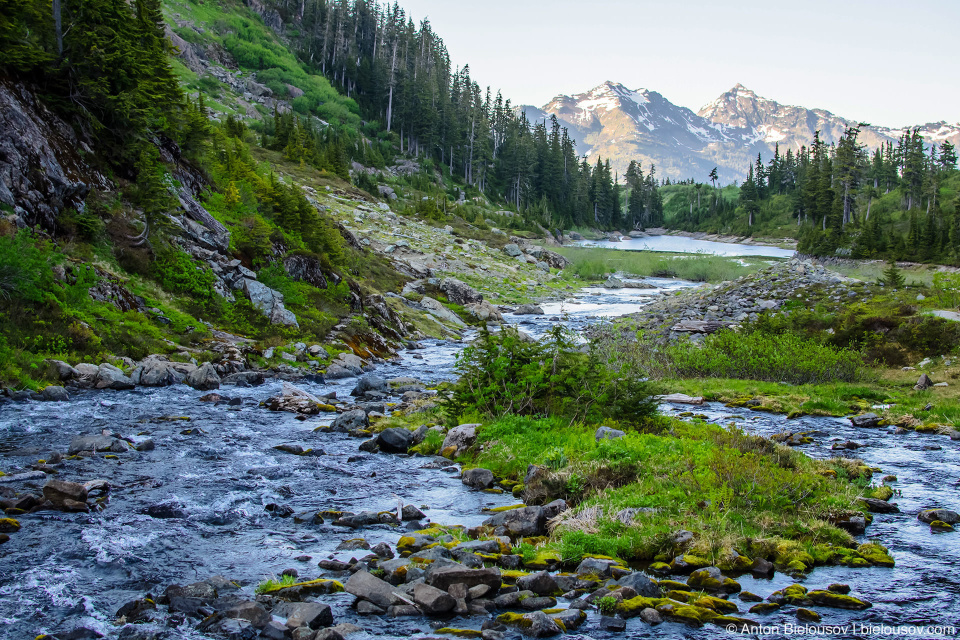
[
  {"x": 869, "y": 204},
  {"x": 393, "y": 68},
  {"x": 58, "y": 26}
]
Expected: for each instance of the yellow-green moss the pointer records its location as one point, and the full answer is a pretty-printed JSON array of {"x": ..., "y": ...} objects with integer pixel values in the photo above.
[
  {"x": 9, "y": 525},
  {"x": 513, "y": 619},
  {"x": 716, "y": 604},
  {"x": 501, "y": 509},
  {"x": 460, "y": 633},
  {"x": 882, "y": 493},
  {"x": 764, "y": 607},
  {"x": 837, "y": 601},
  {"x": 632, "y": 607},
  {"x": 876, "y": 554},
  {"x": 321, "y": 586}
]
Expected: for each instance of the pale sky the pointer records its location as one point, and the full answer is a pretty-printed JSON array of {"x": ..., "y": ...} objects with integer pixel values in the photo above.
[{"x": 885, "y": 62}]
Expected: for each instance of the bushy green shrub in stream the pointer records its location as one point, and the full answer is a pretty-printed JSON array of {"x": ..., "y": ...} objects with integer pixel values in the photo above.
[{"x": 508, "y": 373}]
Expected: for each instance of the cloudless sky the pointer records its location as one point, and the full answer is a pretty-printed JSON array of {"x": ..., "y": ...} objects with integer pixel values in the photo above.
[{"x": 886, "y": 62}]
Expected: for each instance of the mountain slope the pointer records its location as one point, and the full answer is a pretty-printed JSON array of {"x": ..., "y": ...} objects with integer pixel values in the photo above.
[
  {"x": 728, "y": 133},
  {"x": 792, "y": 126},
  {"x": 623, "y": 125}
]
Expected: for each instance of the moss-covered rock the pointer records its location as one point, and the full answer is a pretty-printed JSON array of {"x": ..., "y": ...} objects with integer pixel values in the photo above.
[
  {"x": 460, "y": 633},
  {"x": 807, "y": 615},
  {"x": 659, "y": 568},
  {"x": 513, "y": 619},
  {"x": 876, "y": 554},
  {"x": 837, "y": 600},
  {"x": 632, "y": 607},
  {"x": 9, "y": 525},
  {"x": 716, "y": 604},
  {"x": 764, "y": 607},
  {"x": 939, "y": 526}
]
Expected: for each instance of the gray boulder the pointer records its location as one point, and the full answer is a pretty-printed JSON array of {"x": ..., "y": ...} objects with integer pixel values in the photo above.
[
  {"x": 528, "y": 310},
  {"x": 943, "y": 515},
  {"x": 370, "y": 588},
  {"x": 61, "y": 370},
  {"x": 613, "y": 282},
  {"x": 522, "y": 522},
  {"x": 606, "y": 433},
  {"x": 539, "y": 625},
  {"x": 459, "y": 292},
  {"x": 338, "y": 372},
  {"x": 369, "y": 383},
  {"x": 350, "y": 420},
  {"x": 462, "y": 436},
  {"x": 269, "y": 302},
  {"x": 205, "y": 378},
  {"x": 54, "y": 393},
  {"x": 478, "y": 478},
  {"x": 304, "y": 614},
  {"x": 431, "y": 600},
  {"x": 92, "y": 443},
  {"x": 445, "y": 576},
  {"x": 865, "y": 420},
  {"x": 640, "y": 583},
  {"x": 396, "y": 440},
  {"x": 541, "y": 583},
  {"x": 111, "y": 377},
  {"x": 512, "y": 250}
]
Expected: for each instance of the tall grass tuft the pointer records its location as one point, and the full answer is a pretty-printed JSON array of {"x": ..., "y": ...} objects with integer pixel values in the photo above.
[{"x": 596, "y": 264}]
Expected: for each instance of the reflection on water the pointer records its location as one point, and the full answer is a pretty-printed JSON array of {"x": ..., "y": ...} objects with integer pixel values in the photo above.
[{"x": 680, "y": 244}]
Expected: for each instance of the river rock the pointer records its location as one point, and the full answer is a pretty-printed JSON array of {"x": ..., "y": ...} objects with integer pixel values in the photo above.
[
  {"x": 431, "y": 600},
  {"x": 879, "y": 506},
  {"x": 371, "y": 588},
  {"x": 478, "y": 478},
  {"x": 522, "y": 522},
  {"x": 244, "y": 378},
  {"x": 58, "y": 491},
  {"x": 54, "y": 393},
  {"x": 613, "y": 282},
  {"x": 459, "y": 292},
  {"x": 436, "y": 309},
  {"x": 204, "y": 378},
  {"x": 293, "y": 399},
  {"x": 640, "y": 583},
  {"x": 350, "y": 420},
  {"x": 462, "y": 437},
  {"x": 252, "y": 612},
  {"x": 93, "y": 443},
  {"x": 410, "y": 512},
  {"x": 865, "y": 420},
  {"x": 304, "y": 614},
  {"x": 528, "y": 310},
  {"x": 539, "y": 625},
  {"x": 61, "y": 371},
  {"x": 445, "y": 576},
  {"x": 111, "y": 377},
  {"x": 855, "y": 524},
  {"x": 396, "y": 440},
  {"x": 943, "y": 515},
  {"x": 606, "y": 433},
  {"x": 484, "y": 311},
  {"x": 541, "y": 583},
  {"x": 370, "y": 383}
]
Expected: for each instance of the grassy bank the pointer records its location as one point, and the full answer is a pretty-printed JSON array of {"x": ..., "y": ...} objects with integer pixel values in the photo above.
[
  {"x": 597, "y": 264},
  {"x": 730, "y": 489}
]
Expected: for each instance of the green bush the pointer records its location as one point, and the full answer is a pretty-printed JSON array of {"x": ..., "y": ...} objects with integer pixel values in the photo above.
[
  {"x": 25, "y": 267},
  {"x": 758, "y": 355},
  {"x": 505, "y": 373},
  {"x": 178, "y": 273}
]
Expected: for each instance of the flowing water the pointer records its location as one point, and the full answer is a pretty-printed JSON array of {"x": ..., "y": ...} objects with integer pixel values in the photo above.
[
  {"x": 218, "y": 471},
  {"x": 682, "y": 244}
]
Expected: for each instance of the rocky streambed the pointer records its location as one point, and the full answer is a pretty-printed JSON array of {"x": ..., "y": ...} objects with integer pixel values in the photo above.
[{"x": 190, "y": 505}]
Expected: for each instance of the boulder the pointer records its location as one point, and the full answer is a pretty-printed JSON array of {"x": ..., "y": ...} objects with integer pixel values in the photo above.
[
  {"x": 293, "y": 399},
  {"x": 528, "y": 310},
  {"x": 484, "y": 311},
  {"x": 62, "y": 371},
  {"x": 512, "y": 250},
  {"x": 541, "y": 583},
  {"x": 204, "y": 378},
  {"x": 395, "y": 440},
  {"x": 640, "y": 583},
  {"x": 478, "y": 478},
  {"x": 680, "y": 398},
  {"x": 370, "y": 383},
  {"x": 111, "y": 377},
  {"x": 613, "y": 282},
  {"x": 539, "y": 625},
  {"x": 92, "y": 443},
  {"x": 459, "y": 292},
  {"x": 350, "y": 420},
  {"x": 252, "y": 612},
  {"x": 462, "y": 437},
  {"x": 58, "y": 491},
  {"x": 943, "y": 515},
  {"x": 923, "y": 383},
  {"x": 606, "y": 433},
  {"x": 437, "y": 310},
  {"x": 443, "y": 577},
  {"x": 304, "y": 614},
  {"x": 338, "y": 372},
  {"x": 522, "y": 522},
  {"x": 432, "y": 601},
  {"x": 866, "y": 420},
  {"x": 371, "y": 588},
  {"x": 879, "y": 506},
  {"x": 156, "y": 373},
  {"x": 54, "y": 393},
  {"x": 269, "y": 302},
  {"x": 244, "y": 378}
]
